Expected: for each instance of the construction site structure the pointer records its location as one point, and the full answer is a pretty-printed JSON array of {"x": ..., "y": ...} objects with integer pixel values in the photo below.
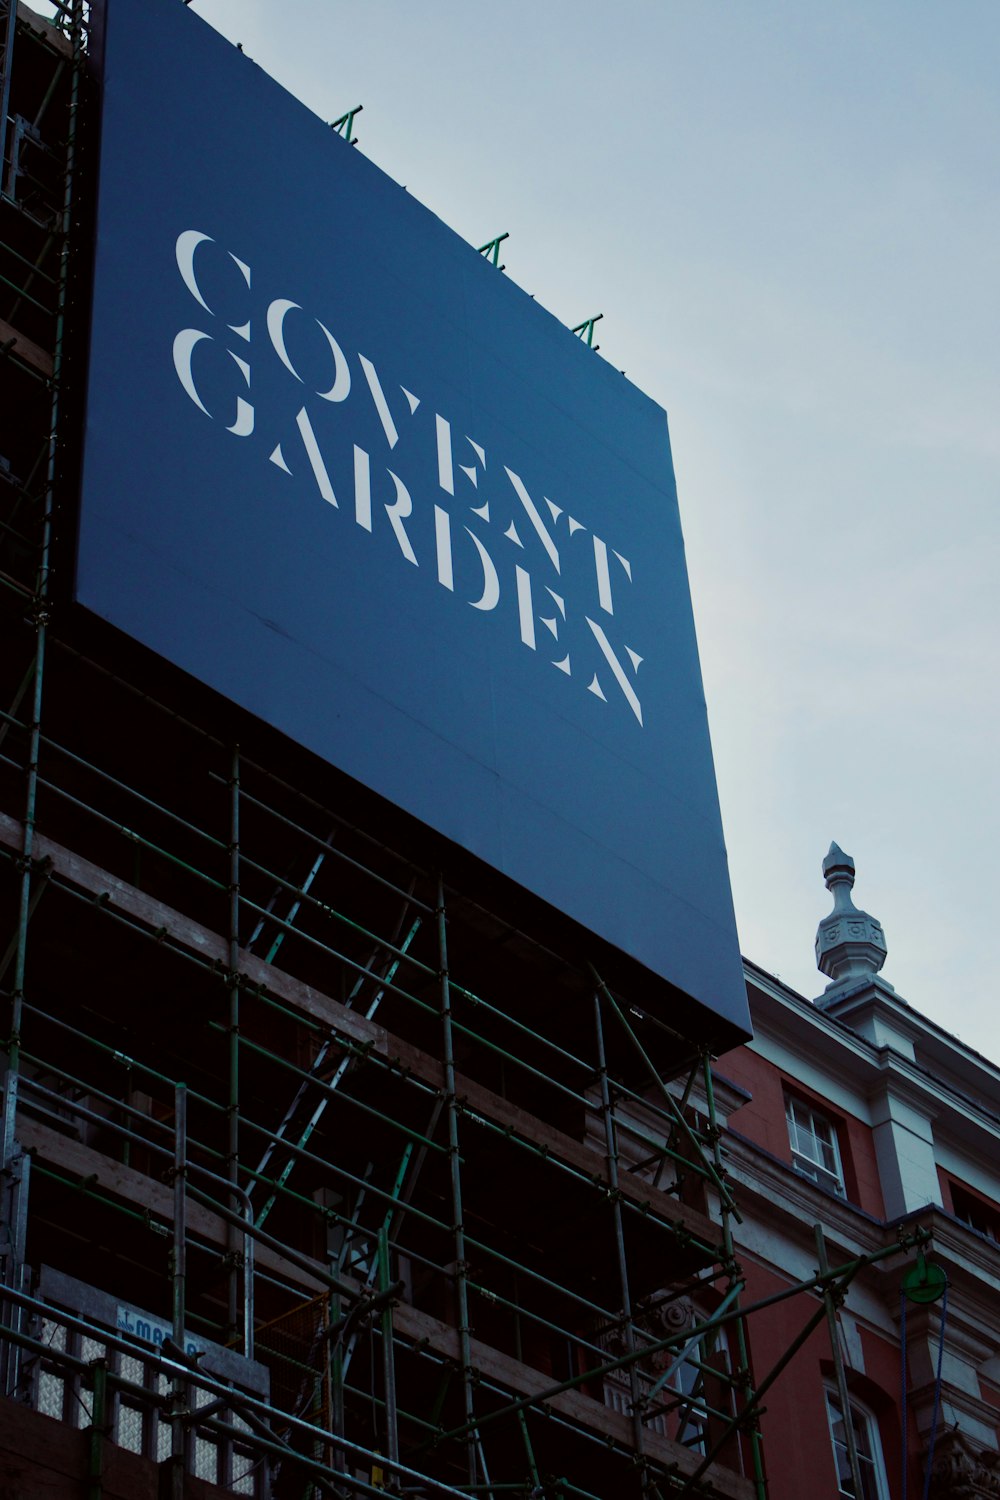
[{"x": 320, "y": 1175}]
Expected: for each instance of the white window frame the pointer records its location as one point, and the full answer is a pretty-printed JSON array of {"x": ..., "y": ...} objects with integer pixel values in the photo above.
[
  {"x": 684, "y": 1395},
  {"x": 812, "y": 1136},
  {"x": 868, "y": 1443},
  {"x": 974, "y": 1213},
  {"x": 689, "y": 1380}
]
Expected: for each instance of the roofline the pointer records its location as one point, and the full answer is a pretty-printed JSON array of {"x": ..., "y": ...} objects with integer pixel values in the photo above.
[{"x": 888, "y": 996}]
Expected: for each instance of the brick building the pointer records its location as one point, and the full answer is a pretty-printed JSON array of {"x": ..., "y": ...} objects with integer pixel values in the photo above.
[
  {"x": 857, "y": 1113},
  {"x": 327, "y": 1171}
]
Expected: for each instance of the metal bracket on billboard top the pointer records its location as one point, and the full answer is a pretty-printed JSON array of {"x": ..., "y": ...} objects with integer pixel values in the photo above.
[
  {"x": 345, "y": 125},
  {"x": 585, "y": 331},
  {"x": 492, "y": 250}
]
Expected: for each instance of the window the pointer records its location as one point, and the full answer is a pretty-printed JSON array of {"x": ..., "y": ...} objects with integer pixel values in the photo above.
[
  {"x": 867, "y": 1446},
  {"x": 700, "y": 1378},
  {"x": 974, "y": 1212},
  {"x": 813, "y": 1138},
  {"x": 694, "y": 1405}
]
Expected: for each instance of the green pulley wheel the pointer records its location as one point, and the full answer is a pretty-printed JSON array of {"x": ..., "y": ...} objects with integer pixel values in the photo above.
[{"x": 924, "y": 1283}]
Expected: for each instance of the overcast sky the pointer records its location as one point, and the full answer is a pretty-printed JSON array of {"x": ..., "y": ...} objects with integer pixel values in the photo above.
[{"x": 789, "y": 215}]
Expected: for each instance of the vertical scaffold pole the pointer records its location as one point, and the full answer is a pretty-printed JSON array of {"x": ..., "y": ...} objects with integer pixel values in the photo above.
[
  {"x": 830, "y": 1303},
  {"x": 335, "y": 1375},
  {"x": 461, "y": 1287},
  {"x": 233, "y": 1239},
  {"x": 8, "y": 26},
  {"x": 24, "y": 900},
  {"x": 180, "y": 1215},
  {"x": 742, "y": 1345},
  {"x": 97, "y": 1436},
  {"x": 388, "y": 1352},
  {"x": 14, "y": 1209},
  {"x": 179, "y": 1309},
  {"x": 611, "y": 1143},
  {"x": 14, "y": 1165}
]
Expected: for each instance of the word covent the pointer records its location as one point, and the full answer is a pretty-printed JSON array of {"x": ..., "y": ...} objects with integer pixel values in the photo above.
[{"x": 553, "y": 530}]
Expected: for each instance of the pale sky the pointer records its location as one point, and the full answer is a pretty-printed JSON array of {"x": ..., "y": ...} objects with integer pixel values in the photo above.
[{"x": 789, "y": 215}]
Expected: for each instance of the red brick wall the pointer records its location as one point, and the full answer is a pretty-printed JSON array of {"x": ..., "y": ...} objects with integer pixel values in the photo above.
[
  {"x": 762, "y": 1121},
  {"x": 798, "y": 1456},
  {"x": 798, "y": 1452},
  {"x": 882, "y": 1367}
]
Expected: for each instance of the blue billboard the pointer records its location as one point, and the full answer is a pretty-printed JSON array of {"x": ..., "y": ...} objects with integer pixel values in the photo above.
[{"x": 343, "y": 471}]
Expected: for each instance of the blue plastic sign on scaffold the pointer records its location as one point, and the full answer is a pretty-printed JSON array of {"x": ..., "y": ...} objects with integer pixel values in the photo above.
[{"x": 342, "y": 470}]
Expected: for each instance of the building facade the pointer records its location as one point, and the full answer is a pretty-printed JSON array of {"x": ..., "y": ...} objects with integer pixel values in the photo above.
[
  {"x": 855, "y": 1113},
  {"x": 323, "y": 1173}
]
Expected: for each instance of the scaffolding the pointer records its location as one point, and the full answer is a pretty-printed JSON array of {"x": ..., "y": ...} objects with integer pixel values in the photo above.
[{"x": 320, "y": 1177}]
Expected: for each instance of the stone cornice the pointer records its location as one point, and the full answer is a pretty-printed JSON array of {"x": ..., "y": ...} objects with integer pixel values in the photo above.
[
  {"x": 862, "y": 1068},
  {"x": 971, "y": 1260},
  {"x": 775, "y": 1189},
  {"x": 921, "y": 1400},
  {"x": 974, "y": 1079},
  {"x": 877, "y": 995},
  {"x": 772, "y": 1193}
]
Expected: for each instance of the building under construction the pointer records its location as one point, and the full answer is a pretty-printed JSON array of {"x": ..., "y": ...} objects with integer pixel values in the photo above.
[{"x": 330, "y": 1167}]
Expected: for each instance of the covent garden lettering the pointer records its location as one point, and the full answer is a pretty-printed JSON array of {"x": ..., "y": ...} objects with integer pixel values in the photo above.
[{"x": 547, "y": 526}]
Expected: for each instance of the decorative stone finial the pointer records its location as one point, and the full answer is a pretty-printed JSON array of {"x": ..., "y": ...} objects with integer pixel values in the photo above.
[{"x": 849, "y": 943}]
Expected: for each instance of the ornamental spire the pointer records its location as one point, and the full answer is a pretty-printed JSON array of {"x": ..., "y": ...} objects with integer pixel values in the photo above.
[{"x": 850, "y": 944}]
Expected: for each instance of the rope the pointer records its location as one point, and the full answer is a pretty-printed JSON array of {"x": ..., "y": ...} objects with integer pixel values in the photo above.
[
  {"x": 937, "y": 1394},
  {"x": 937, "y": 1390}
]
